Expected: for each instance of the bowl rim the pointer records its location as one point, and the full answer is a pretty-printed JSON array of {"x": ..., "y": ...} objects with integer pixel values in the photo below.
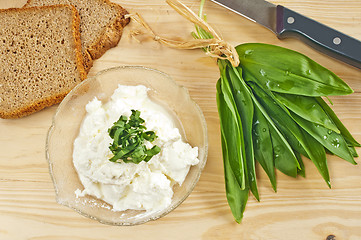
[{"x": 53, "y": 125}]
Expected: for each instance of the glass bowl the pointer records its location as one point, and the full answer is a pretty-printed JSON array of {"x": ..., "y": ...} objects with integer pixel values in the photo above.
[{"x": 69, "y": 116}]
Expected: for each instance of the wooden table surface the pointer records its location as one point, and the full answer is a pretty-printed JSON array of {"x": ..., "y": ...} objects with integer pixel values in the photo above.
[{"x": 301, "y": 209}]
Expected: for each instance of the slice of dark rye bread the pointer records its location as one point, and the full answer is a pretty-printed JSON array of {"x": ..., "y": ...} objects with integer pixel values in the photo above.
[
  {"x": 101, "y": 25},
  {"x": 40, "y": 58}
]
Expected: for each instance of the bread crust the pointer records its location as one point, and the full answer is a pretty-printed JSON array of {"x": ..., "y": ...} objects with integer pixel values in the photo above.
[
  {"x": 40, "y": 104},
  {"x": 33, "y": 107},
  {"x": 111, "y": 34},
  {"x": 108, "y": 39},
  {"x": 77, "y": 41}
]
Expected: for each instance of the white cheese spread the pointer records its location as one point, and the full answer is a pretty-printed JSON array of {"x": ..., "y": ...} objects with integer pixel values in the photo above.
[{"x": 144, "y": 186}]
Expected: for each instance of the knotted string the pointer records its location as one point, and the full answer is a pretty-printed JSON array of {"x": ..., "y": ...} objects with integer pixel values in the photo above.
[{"x": 215, "y": 47}]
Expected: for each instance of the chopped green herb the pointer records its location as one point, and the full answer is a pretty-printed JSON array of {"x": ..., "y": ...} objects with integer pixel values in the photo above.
[{"x": 129, "y": 136}]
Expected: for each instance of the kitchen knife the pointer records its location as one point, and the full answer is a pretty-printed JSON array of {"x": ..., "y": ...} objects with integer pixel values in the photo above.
[{"x": 287, "y": 23}]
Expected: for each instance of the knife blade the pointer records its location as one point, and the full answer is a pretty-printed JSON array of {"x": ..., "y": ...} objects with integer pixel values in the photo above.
[{"x": 286, "y": 23}]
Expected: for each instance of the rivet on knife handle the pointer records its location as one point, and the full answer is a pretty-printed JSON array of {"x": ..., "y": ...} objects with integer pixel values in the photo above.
[{"x": 319, "y": 36}]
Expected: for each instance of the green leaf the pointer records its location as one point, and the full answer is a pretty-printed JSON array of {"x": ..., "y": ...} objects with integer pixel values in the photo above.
[
  {"x": 352, "y": 151},
  {"x": 290, "y": 138},
  {"x": 286, "y": 71},
  {"x": 301, "y": 170},
  {"x": 236, "y": 197},
  {"x": 262, "y": 145},
  {"x": 345, "y": 133},
  {"x": 231, "y": 130},
  {"x": 317, "y": 154},
  {"x": 331, "y": 140},
  {"x": 282, "y": 154},
  {"x": 284, "y": 160},
  {"x": 307, "y": 108},
  {"x": 279, "y": 114},
  {"x": 287, "y": 125},
  {"x": 244, "y": 105},
  {"x": 281, "y": 140}
]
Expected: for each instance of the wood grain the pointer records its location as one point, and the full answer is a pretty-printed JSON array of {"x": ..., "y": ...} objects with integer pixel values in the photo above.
[{"x": 301, "y": 209}]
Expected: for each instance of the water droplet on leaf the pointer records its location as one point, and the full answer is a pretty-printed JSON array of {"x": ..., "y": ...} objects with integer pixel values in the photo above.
[
  {"x": 336, "y": 143},
  {"x": 277, "y": 149},
  {"x": 262, "y": 72},
  {"x": 248, "y": 52},
  {"x": 286, "y": 85},
  {"x": 257, "y": 143}
]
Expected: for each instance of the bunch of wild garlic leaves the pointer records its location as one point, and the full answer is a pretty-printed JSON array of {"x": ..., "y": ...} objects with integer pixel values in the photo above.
[{"x": 271, "y": 110}]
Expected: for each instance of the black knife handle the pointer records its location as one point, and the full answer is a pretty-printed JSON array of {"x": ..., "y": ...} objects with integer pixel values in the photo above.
[{"x": 319, "y": 36}]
